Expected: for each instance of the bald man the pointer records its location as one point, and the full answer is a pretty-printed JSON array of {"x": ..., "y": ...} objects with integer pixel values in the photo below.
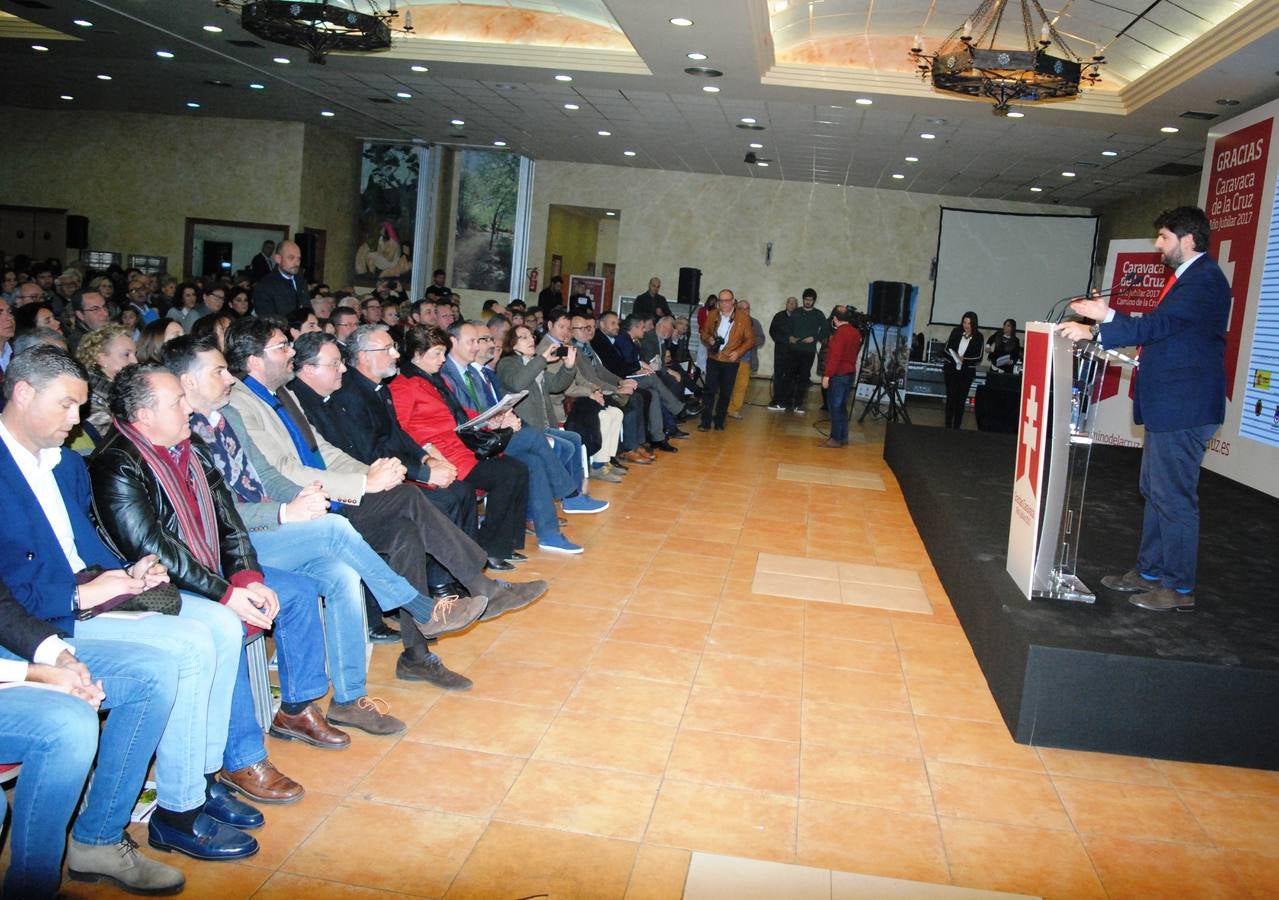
[{"x": 284, "y": 290}]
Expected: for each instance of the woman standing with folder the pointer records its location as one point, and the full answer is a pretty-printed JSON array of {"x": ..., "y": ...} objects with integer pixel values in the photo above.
[{"x": 963, "y": 353}]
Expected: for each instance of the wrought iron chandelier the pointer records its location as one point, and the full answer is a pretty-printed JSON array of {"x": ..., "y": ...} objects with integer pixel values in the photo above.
[
  {"x": 969, "y": 62},
  {"x": 321, "y": 27}
]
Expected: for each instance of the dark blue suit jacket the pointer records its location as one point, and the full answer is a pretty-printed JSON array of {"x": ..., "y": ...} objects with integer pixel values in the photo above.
[
  {"x": 34, "y": 566},
  {"x": 1181, "y": 382}
]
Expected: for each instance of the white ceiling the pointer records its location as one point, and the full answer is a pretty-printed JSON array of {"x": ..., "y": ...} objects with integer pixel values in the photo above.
[{"x": 814, "y": 132}]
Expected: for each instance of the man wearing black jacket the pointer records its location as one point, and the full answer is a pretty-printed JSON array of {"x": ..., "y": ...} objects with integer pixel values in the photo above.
[
  {"x": 779, "y": 331},
  {"x": 283, "y": 290}
]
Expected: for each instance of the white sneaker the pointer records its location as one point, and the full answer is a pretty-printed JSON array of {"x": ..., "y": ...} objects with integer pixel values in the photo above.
[
  {"x": 775, "y": 408},
  {"x": 799, "y": 410}
]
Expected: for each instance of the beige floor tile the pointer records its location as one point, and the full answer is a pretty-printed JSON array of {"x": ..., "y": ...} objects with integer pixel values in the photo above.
[
  {"x": 605, "y": 695},
  {"x": 870, "y": 840},
  {"x": 864, "y": 656},
  {"x": 647, "y": 660},
  {"x": 884, "y": 576},
  {"x": 288, "y": 826},
  {"x": 283, "y": 886},
  {"x": 660, "y": 631},
  {"x": 756, "y": 643},
  {"x": 443, "y": 778},
  {"x": 1026, "y": 860},
  {"x": 581, "y": 799},
  {"x": 750, "y": 676},
  {"x": 522, "y": 861},
  {"x": 1101, "y": 766},
  {"x": 1128, "y": 810},
  {"x": 656, "y": 581},
  {"x": 560, "y": 651},
  {"x": 850, "y": 886},
  {"x": 724, "y": 820},
  {"x": 974, "y": 743},
  {"x": 880, "y": 597},
  {"x": 735, "y": 761},
  {"x": 483, "y": 725},
  {"x": 996, "y": 795},
  {"x": 732, "y": 712},
  {"x": 952, "y": 699},
  {"x": 777, "y": 564},
  {"x": 1135, "y": 870},
  {"x": 771, "y": 614},
  {"x": 579, "y": 620},
  {"x": 329, "y": 771},
  {"x": 865, "y": 779},
  {"x": 659, "y": 873},
  {"x": 629, "y": 746},
  {"x": 511, "y": 682},
  {"x": 822, "y": 620},
  {"x": 861, "y": 730},
  {"x": 674, "y": 606},
  {"x": 849, "y": 687},
  {"x": 1236, "y": 821},
  {"x": 713, "y": 877},
  {"x": 1228, "y": 779},
  {"x": 796, "y": 586},
  {"x": 430, "y": 847}
]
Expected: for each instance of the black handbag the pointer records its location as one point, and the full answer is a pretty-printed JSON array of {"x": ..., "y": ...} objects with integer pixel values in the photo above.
[{"x": 486, "y": 443}]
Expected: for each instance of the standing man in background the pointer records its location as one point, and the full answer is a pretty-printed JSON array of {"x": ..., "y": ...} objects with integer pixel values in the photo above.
[
  {"x": 839, "y": 376},
  {"x": 806, "y": 324},
  {"x": 749, "y": 363},
  {"x": 726, "y": 335},
  {"x": 779, "y": 331},
  {"x": 651, "y": 304},
  {"x": 283, "y": 290},
  {"x": 1180, "y": 398},
  {"x": 262, "y": 264}
]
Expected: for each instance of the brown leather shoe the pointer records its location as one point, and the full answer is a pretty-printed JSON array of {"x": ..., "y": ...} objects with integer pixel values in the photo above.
[
  {"x": 263, "y": 782},
  {"x": 309, "y": 727},
  {"x": 635, "y": 458}
]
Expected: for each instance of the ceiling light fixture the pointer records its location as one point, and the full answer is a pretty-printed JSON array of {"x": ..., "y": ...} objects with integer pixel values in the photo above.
[
  {"x": 164, "y": 54},
  {"x": 912, "y": 159},
  {"x": 681, "y": 22},
  {"x": 83, "y": 23},
  {"x": 898, "y": 175},
  {"x": 968, "y": 62},
  {"x": 66, "y": 97},
  {"x": 104, "y": 78},
  {"x": 457, "y": 123},
  {"x": 39, "y": 48},
  {"x": 1110, "y": 153},
  {"x": 1170, "y": 129},
  {"x": 696, "y": 57},
  {"x": 609, "y": 213},
  {"x": 1067, "y": 174},
  {"x": 928, "y": 135},
  {"x": 419, "y": 69},
  {"x": 191, "y": 104},
  {"x": 563, "y": 77},
  {"x": 710, "y": 89},
  {"x": 628, "y": 152},
  {"x": 499, "y": 143},
  {"x": 212, "y": 29},
  {"x": 324, "y": 27},
  {"x": 282, "y": 60},
  {"x": 757, "y": 146},
  {"x": 747, "y": 120},
  {"x": 862, "y": 101},
  {"x": 603, "y": 133},
  {"x": 572, "y": 107},
  {"x": 404, "y": 95},
  {"x": 253, "y": 85},
  {"x": 1013, "y": 114},
  {"x": 327, "y": 113},
  {"x": 1037, "y": 190},
  {"x": 762, "y": 164}
]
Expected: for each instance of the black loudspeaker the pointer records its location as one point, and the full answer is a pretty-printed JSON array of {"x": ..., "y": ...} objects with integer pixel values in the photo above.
[
  {"x": 308, "y": 245},
  {"x": 889, "y": 303},
  {"x": 690, "y": 287},
  {"x": 78, "y": 232}
]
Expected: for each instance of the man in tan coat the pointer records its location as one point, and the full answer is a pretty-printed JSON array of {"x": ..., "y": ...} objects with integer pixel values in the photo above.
[{"x": 727, "y": 336}]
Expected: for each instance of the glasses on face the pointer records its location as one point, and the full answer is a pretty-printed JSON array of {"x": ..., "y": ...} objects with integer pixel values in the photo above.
[
  {"x": 330, "y": 365},
  {"x": 380, "y": 350},
  {"x": 580, "y": 328},
  {"x": 93, "y": 309},
  {"x": 287, "y": 345}
]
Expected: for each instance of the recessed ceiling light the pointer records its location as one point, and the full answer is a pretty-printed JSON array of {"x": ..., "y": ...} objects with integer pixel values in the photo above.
[
  {"x": 419, "y": 68},
  {"x": 282, "y": 60},
  {"x": 609, "y": 213},
  {"x": 1170, "y": 129},
  {"x": 164, "y": 54},
  {"x": 499, "y": 143},
  {"x": 603, "y": 133},
  {"x": 327, "y": 113},
  {"x": 710, "y": 89},
  {"x": 83, "y": 23},
  {"x": 1067, "y": 174},
  {"x": 1016, "y": 115},
  {"x": 898, "y": 175},
  {"x": 457, "y": 123},
  {"x": 757, "y": 146},
  {"x": 1110, "y": 153},
  {"x": 1037, "y": 190},
  {"x": 66, "y": 97},
  {"x": 253, "y": 85},
  {"x": 863, "y": 101},
  {"x": 697, "y": 56},
  {"x": 1227, "y": 101},
  {"x": 912, "y": 159},
  {"x": 572, "y": 107},
  {"x": 104, "y": 78},
  {"x": 628, "y": 152},
  {"x": 682, "y": 22},
  {"x": 928, "y": 135},
  {"x": 404, "y": 95},
  {"x": 563, "y": 77},
  {"x": 39, "y": 48},
  {"x": 191, "y": 104},
  {"x": 212, "y": 29},
  {"x": 747, "y": 120},
  {"x": 762, "y": 164},
  {"x": 825, "y": 122}
]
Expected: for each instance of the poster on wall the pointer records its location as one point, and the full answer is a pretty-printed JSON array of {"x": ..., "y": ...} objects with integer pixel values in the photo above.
[
  {"x": 488, "y": 192},
  {"x": 587, "y": 286},
  {"x": 388, "y": 206}
]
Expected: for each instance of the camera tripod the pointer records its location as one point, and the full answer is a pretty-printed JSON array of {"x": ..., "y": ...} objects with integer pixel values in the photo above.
[{"x": 886, "y": 384}]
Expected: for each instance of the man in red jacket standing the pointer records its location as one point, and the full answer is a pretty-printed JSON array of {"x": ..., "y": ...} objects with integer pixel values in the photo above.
[{"x": 839, "y": 375}]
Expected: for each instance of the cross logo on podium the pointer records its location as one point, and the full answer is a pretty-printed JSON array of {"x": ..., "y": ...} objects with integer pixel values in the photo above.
[{"x": 1030, "y": 429}]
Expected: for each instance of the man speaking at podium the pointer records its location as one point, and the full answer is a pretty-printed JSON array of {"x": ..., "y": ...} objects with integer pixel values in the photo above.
[{"x": 1180, "y": 398}]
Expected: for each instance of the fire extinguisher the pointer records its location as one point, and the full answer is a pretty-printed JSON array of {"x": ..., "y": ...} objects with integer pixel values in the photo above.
[{"x": 532, "y": 280}]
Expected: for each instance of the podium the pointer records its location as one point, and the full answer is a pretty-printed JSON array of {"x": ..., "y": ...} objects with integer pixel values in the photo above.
[{"x": 1060, "y": 391}]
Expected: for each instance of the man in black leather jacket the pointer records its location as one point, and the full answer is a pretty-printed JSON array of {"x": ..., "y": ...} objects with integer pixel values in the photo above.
[{"x": 157, "y": 490}]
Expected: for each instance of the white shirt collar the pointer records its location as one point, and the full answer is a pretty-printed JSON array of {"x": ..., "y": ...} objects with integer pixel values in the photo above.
[
  {"x": 46, "y": 459},
  {"x": 1181, "y": 269}
]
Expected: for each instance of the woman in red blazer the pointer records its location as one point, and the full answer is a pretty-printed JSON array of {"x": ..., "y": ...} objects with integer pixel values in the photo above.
[{"x": 429, "y": 412}]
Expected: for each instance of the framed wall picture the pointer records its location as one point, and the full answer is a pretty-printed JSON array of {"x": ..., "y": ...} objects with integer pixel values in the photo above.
[
  {"x": 557, "y": 266},
  {"x": 587, "y": 286}
]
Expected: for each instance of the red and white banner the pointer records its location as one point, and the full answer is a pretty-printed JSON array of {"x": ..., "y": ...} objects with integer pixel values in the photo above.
[
  {"x": 1032, "y": 434},
  {"x": 1234, "y": 205}
]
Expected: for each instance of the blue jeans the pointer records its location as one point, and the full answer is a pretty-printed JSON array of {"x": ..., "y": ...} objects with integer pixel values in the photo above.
[
  {"x": 331, "y": 551},
  {"x": 205, "y": 637},
  {"x": 837, "y": 403},
  {"x": 547, "y": 479},
  {"x": 1170, "y": 465},
  {"x": 55, "y": 737},
  {"x": 568, "y": 450},
  {"x": 299, "y": 642}
]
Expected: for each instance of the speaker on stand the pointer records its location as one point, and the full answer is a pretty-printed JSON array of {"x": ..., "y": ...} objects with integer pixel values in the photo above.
[{"x": 889, "y": 307}]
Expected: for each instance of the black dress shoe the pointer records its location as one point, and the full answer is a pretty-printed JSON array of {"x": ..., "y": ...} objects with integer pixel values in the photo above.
[
  {"x": 498, "y": 565},
  {"x": 677, "y": 434},
  {"x": 665, "y": 447},
  {"x": 516, "y": 557},
  {"x": 449, "y": 589},
  {"x": 703, "y": 428},
  {"x": 433, "y": 671},
  {"x": 618, "y": 464},
  {"x": 719, "y": 426},
  {"x": 379, "y": 633},
  {"x": 208, "y": 839}
]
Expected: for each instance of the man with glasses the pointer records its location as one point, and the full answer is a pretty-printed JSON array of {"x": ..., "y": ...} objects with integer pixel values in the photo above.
[
  {"x": 138, "y": 296},
  {"x": 371, "y": 310},
  {"x": 214, "y": 301},
  {"x": 90, "y": 311}
]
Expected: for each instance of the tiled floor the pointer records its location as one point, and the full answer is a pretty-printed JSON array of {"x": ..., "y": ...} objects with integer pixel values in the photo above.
[
  {"x": 855, "y": 584},
  {"x": 654, "y": 704}
]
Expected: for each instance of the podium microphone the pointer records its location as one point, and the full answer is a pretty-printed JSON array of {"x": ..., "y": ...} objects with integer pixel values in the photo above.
[{"x": 1129, "y": 280}]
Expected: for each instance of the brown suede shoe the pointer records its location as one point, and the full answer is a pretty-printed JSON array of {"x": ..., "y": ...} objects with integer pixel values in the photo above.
[
  {"x": 365, "y": 714},
  {"x": 262, "y": 782},
  {"x": 309, "y": 727}
]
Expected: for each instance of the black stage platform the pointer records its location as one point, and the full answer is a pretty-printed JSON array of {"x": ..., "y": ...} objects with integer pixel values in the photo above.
[{"x": 1200, "y": 686}]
